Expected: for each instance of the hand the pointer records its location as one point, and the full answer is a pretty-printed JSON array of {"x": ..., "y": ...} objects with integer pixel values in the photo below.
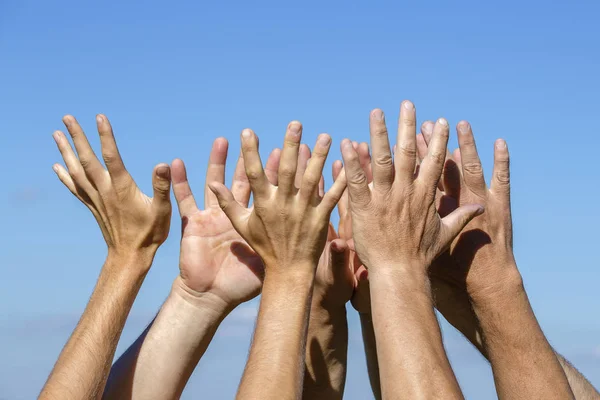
[
  {"x": 286, "y": 226},
  {"x": 361, "y": 298},
  {"x": 481, "y": 259},
  {"x": 396, "y": 222},
  {"x": 214, "y": 258},
  {"x": 130, "y": 221}
]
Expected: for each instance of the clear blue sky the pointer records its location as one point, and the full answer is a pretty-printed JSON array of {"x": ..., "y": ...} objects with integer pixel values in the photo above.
[{"x": 173, "y": 76}]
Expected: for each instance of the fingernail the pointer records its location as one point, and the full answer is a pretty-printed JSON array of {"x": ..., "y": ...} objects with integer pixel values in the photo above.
[
  {"x": 294, "y": 128},
  {"x": 55, "y": 168},
  {"x": 428, "y": 128},
  {"x": 346, "y": 144},
  {"x": 324, "y": 140},
  {"x": 163, "y": 172},
  {"x": 408, "y": 105},
  {"x": 480, "y": 210},
  {"x": 377, "y": 115},
  {"x": 442, "y": 121},
  {"x": 56, "y": 136},
  {"x": 246, "y": 133},
  {"x": 463, "y": 127},
  {"x": 99, "y": 119},
  {"x": 500, "y": 144}
]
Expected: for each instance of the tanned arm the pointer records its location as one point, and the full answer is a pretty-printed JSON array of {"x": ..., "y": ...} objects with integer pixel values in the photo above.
[
  {"x": 133, "y": 227},
  {"x": 397, "y": 234},
  {"x": 288, "y": 229}
]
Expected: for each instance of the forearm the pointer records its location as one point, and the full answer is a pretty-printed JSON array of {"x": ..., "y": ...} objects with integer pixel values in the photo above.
[
  {"x": 159, "y": 364},
  {"x": 412, "y": 360},
  {"x": 82, "y": 368},
  {"x": 523, "y": 362},
  {"x": 370, "y": 345},
  {"x": 275, "y": 365},
  {"x": 581, "y": 387},
  {"x": 326, "y": 352}
]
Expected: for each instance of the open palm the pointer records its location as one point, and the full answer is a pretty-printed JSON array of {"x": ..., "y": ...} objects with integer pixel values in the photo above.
[{"x": 214, "y": 258}]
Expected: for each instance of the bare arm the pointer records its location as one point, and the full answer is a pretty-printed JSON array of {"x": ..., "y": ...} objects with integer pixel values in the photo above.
[
  {"x": 218, "y": 271},
  {"x": 133, "y": 227},
  {"x": 288, "y": 229},
  {"x": 397, "y": 234},
  {"x": 327, "y": 343}
]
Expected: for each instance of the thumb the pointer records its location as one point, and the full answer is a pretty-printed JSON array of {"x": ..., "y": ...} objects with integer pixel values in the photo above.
[
  {"x": 456, "y": 221},
  {"x": 161, "y": 184},
  {"x": 338, "y": 257},
  {"x": 234, "y": 211}
]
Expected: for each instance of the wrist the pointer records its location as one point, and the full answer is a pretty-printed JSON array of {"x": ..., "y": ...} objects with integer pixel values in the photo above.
[
  {"x": 131, "y": 261},
  {"x": 501, "y": 292},
  {"x": 409, "y": 277},
  {"x": 202, "y": 302}
]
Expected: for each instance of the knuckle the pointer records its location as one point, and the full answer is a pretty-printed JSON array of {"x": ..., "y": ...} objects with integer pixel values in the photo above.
[
  {"x": 383, "y": 161},
  {"x": 503, "y": 177},
  {"x": 409, "y": 122},
  {"x": 286, "y": 171},
  {"x": 406, "y": 151},
  {"x": 253, "y": 174},
  {"x": 379, "y": 130},
  {"x": 357, "y": 179},
  {"x": 437, "y": 156},
  {"x": 472, "y": 168}
]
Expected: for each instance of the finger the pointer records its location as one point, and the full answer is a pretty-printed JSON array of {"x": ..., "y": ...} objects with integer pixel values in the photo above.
[
  {"x": 334, "y": 194},
  {"x": 451, "y": 179},
  {"x": 342, "y": 206},
  {"x": 75, "y": 169},
  {"x": 433, "y": 164},
  {"x": 215, "y": 172},
  {"x": 457, "y": 159},
  {"x": 427, "y": 131},
  {"x": 406, "y": 143},
  {"x": 321, "y": 186},
  {"x": 381, "y": 161},
  {"x": 66, "y": 179},
  {"x": 455, "y": 222},
  {"x": 88, "y": 160},
  {"x": 358, "y": 188},
  {"x": 254, "y": 169},
  {"x": 338, "y": 253},
  {"x": 110, "y": 152},
  {"x": 365, "y": 160},
  {"x": 421, "y": 147},
  {"x": 161, "y": 183},
  {"x": 272, "y": 166},
  {"x": 314, "y": 170},
  {"x": 234, "y": 211},
  {"x": 240, "y": 187},
  {"x": 181, "y": 188},
  {"x": 303, "y": 157},
  {"x": 289, "y": 159},
  {"x": 501, "y": 175},
  {"x": 471, "y": 165}
]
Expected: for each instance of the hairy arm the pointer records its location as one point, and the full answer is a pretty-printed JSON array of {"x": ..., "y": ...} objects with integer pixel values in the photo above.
[
  {"x": 370, "y": 346},
  {"x": 412, "y": 359},
  {"x": 83, "y": 365},
  {"x": 276, "y": 362},
  {"x": 133, "y": 226},
  {"x": 151, "y": 369}
]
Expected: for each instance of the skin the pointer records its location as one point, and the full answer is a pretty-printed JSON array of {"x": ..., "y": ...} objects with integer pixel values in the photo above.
[
  {"x": 218, "y": 272},
  {"x": 287, "y": 228},
  {"x": 397, "y": 234},
  {"x": 133, "y": 226},
  {"x": 480, "y": 267}
]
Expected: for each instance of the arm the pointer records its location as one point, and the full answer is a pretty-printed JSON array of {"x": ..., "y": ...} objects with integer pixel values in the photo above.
[
  {"x": 288, "y": 229},
  {"x": 218, "y": 271},
  {"x": 397, "y": 233},
  {"x": 327, "y": 343},
  {"x": 455, "y": 283},
  {"x": 133, "y": 227}
]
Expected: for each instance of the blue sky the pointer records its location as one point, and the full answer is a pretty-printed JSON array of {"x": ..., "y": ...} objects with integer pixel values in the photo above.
[{"x": 173, "y": 76}]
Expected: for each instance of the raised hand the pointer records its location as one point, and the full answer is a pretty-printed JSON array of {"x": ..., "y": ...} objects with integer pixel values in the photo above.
[
  {"x": 480, "y": 288},
  {"x": 288, "y": 228},
  {"x": 130, "y": 221},
  {"x": 133, "y": 226},
  {"x": 397, "y": 233},
  {"x": 214, "y": 258}
]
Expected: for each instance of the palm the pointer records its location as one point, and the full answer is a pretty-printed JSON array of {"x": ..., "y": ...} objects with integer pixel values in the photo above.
[{"x": 215, "y": 258}]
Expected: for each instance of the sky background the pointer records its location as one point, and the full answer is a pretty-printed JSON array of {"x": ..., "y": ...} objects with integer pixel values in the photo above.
[{"x": 174, "y": 76}]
